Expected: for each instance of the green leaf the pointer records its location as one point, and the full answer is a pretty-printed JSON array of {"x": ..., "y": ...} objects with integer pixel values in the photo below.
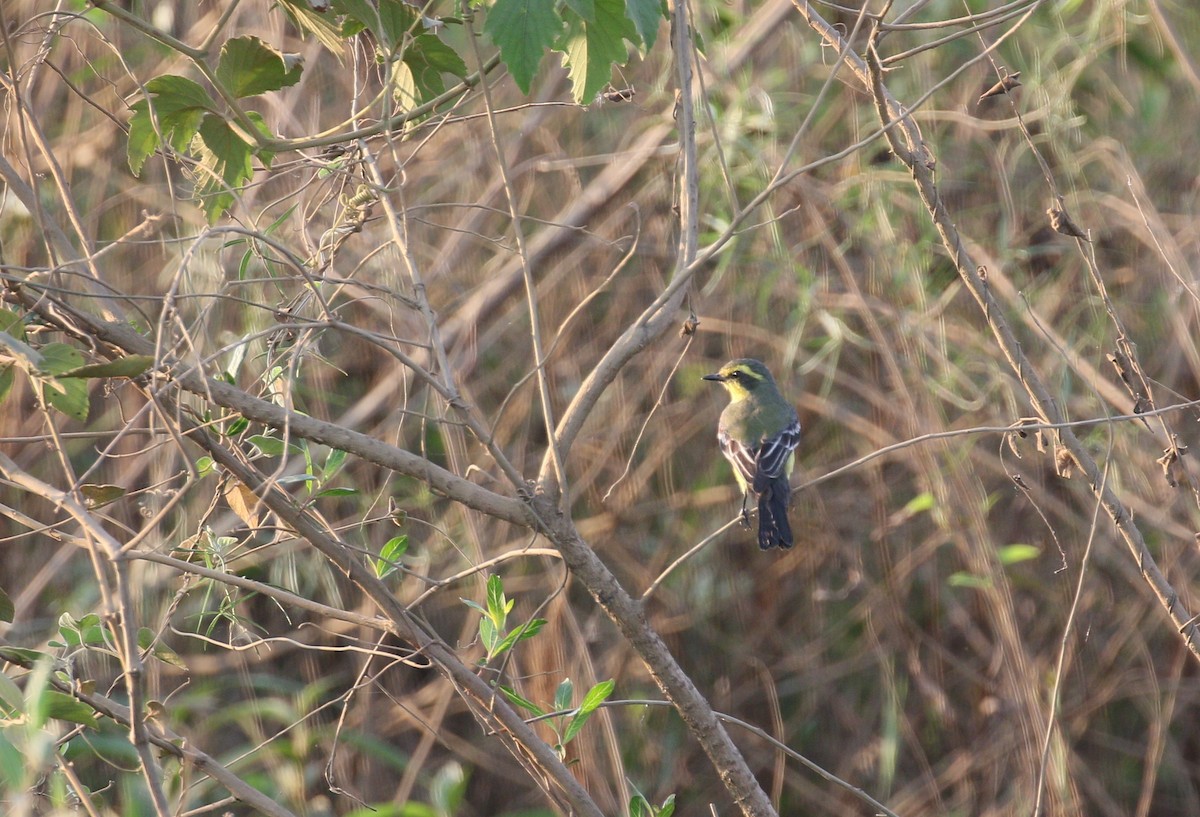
[
  {"x": 522, "y": 703},
  {"x": 428, "y": 58},
  {"x": 12, "y": 700},
  {"x": 237, "y": 426},
  {"x": 489, "y": 636},
  {"x": 23, "y": 656},
  {"x": 646, "y": 15},
  {"x": 527, "y": 630},
  {"x": 249, "y": 67},
  {"x": 337, "y": 492},
  {"x": 319, "y": 25},
  {"x": 365, "y": 14},
  {"x": 591, "y": 48},
  {"x": 1011, "y": 554},
  {"x": 474, "y": 605},
  {"x": 522, "y": 30},
  {"x": 65, "y": 708},
  {"x": 563, "y": 695},
  {"x": 7, "y": 610},
  {"x": 333, "y": 462},
  {"x": 269, "y": 446},
  {"x": 68, "y": 396},
  {"x": 639, "y": 807},
  {"x": 7, "y": 377},
  {"x": 100, "y": 495},
  {"x": 397, "y": 19},
  {"x": 920, "y": 502},
  {"x": 962, "y": 579},
  {"x": 58, "y": 358},
  {"x": 179, "y": 105},
  {"x": 497, "y": 605},
  {"x": 668, "y": 807},
  {"x": 390, "y": 554},
  {"x": 205, "y": 466},
  {"x": 128, "y": 366},
  {"x": 25, "y": 354},
  {"x": 13, "y": 324},
  {"x": 148, "y": 640},
  {"x": 584, "y": 8},
  {"x": 596, "y": 696},
  {"x": 226, "y": 164}
]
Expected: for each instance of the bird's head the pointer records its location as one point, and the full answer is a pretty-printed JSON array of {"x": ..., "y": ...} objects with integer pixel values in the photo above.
[{"x": 742, "y": 377}]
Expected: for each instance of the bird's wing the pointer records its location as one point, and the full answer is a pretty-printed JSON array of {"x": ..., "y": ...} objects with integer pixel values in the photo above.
[
  {"x": 740, "y": 456},
  {"x": 773, "y": 453}
]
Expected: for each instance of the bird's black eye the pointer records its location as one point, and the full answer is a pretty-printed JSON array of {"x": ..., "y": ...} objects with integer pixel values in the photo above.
[{"x": 735, "y": 373}]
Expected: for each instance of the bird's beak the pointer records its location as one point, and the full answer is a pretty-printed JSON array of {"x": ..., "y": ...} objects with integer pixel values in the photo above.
[{"x": 720, "y": 378}]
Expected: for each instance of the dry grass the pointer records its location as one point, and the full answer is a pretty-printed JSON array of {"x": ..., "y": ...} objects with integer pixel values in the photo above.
[{"x": 893, "y": 646}]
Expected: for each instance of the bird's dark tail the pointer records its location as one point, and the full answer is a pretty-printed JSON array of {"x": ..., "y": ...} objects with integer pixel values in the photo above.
[{"x": 773, "y": 527}]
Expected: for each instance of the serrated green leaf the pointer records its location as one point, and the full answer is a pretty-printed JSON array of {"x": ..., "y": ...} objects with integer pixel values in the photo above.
[
  {"x": 591, "y": 48},
  {"x": 362, "y": 14},
  {"x": 128, "y": 366},
  {"x": 397, "y": 19},
  {"x": 230, "y": 154},
  {"x": 584, "y": 8},
  {"x": 522, "y": 703},
  {"x": 249, "y": 67},
  {"x": 563, "y": 695},
  {"x": 225, "y": 164},
  {"x": 260, "y": 124},
  {"x": 179, "y": 105},
  {"x": 523, "y": 30},
  {"x": 1011, "y": 554},
  {"x": 428, "y": 58},
  {"x": 319, "y": 25},
  {"x": 647, "y": 16}
]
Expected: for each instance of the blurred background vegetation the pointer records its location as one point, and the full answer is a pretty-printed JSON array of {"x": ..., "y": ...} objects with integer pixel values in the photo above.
[{"x": 913, "y": 641}]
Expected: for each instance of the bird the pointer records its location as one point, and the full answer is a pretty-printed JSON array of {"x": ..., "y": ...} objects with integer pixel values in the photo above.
[{"x": 758, "y": 432}]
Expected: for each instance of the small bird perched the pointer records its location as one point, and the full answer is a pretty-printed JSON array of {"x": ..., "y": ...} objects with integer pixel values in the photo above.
[{"x": 758, "y": 433}]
